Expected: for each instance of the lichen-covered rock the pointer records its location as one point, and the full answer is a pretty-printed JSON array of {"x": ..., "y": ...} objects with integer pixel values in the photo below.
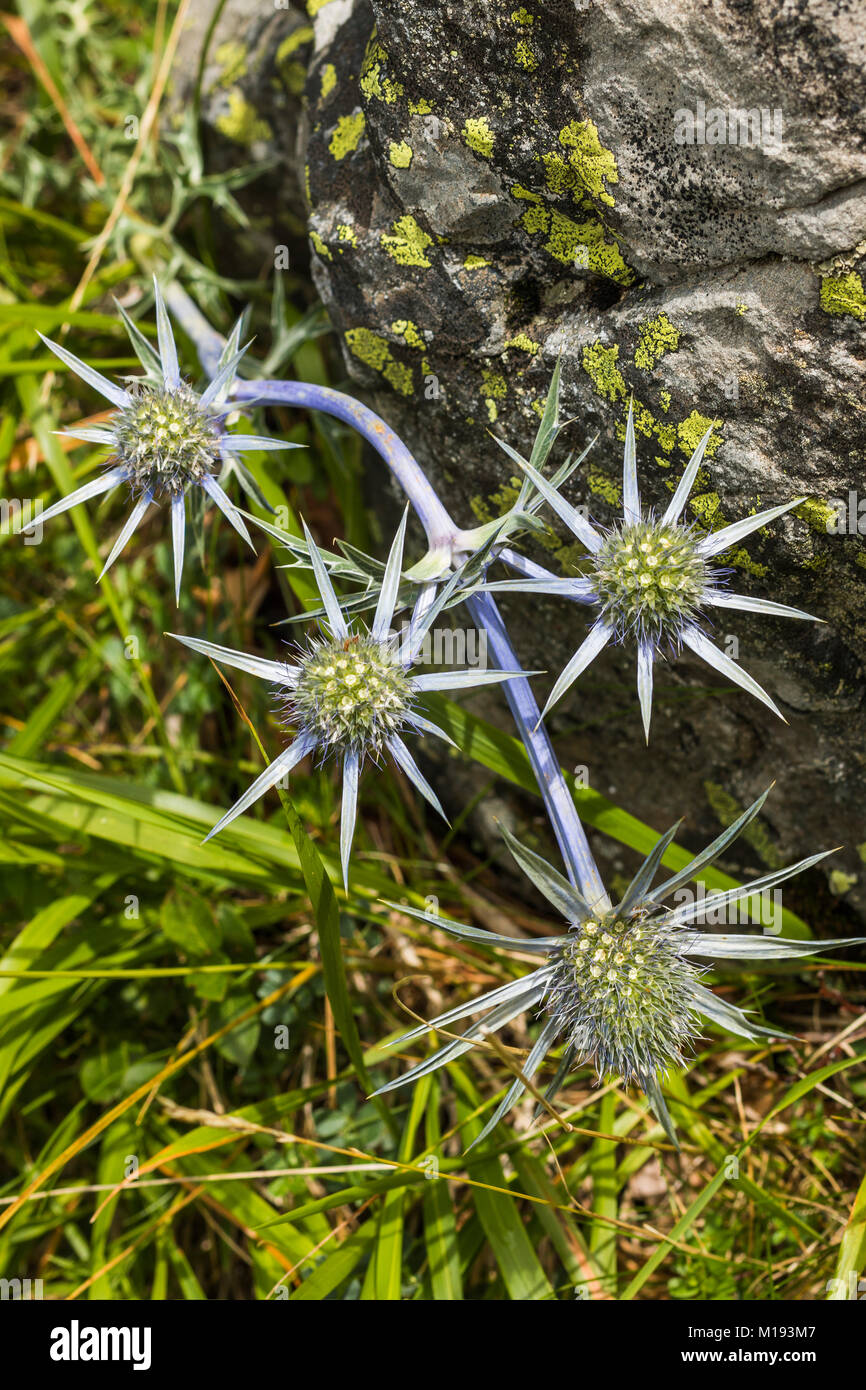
[
  {"x": 671, "y": 198},
  {"x": 251, "y": 62}
]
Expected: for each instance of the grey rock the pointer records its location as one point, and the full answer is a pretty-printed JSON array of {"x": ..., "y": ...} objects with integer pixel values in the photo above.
[{"x": 494, "y": 187}]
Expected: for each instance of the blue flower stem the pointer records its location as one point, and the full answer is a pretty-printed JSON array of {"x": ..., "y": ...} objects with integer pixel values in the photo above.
[
  {"x": 567, "y": 825},
  {"x": 442, "y": 536},
  {"x": 440, "y": 529},
  {"x": 438, "y": 525}
]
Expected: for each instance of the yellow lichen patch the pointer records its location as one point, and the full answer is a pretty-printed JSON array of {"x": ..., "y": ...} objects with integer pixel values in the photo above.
[
  {"x": 603, "y": 485},
  {"x": 821, "y": 516},
  {"x": 421, "y": 107},
  {"x": 473, "y": 262},
  {"x": 742, "y": 560},
  {"x": 665, "y": 399},
  {"x": 707, "y": 507},
  {"x": 299, "y": 36},
  {"x": 374, "y": 82},
  {"x": 522, "y": 16},
  {"x": 313, "y": 7},
  {"x": 524, "y": 56},
  {"x": 328, "y": 81},
  {"x": 240, "y": 123},
  {"x": 347, "y": 134},
  {"x": 558, "y": 175},
  {"x": 493, "y": 388},
  {"x": 232, "y": 58},
  {"x": 347, "y": 234},
  {"x": 320, "y": 247},
  {"x": 657, "y": 336},
  {"x": 593, "y": 163},
  {"x": 691, "y": 431},
  {"x": 843, "y": 294},
  {"x": 407, "y": 242},
  {"x": 409, "y": 332},
  {"x": 375, "y": 352},
  {"x": 400, "y": 154},
  {"x": 584, "y": 244},
  {"x": 666, "y": 436},
  {"x": 524, "y": 342},
  {"x": 599, "y": 363},
  {"x": 494, "y": 385},
  {"x": 478, "y": 136}
]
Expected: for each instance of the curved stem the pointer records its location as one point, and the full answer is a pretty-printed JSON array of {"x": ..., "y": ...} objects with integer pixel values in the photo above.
[
  {"x": 437, "y": 524},
  {"x": 567, "y": 825},
  {"x": 441, "y": 535}
]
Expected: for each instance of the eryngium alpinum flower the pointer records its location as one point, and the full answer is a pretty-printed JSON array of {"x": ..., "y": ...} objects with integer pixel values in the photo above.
[
  {"x": 353, "y": 694},
  {"x": 164, "y": 437},
  {"x": 621, "y": 990},
  {"x": 652, "y": 579}
]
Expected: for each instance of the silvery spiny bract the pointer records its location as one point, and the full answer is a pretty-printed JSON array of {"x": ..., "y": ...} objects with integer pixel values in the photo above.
[
  {"x": 621, "y": 990},
  {"x": 651, "y": 579},
  {"x": 164, "y": 436},
  {"x": 352, "y": 693}
]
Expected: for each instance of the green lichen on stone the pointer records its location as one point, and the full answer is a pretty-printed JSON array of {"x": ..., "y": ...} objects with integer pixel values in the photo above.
[
  {"x": 473, "y": 262},
  {"x": 522, "y": 16},
  {"x": 374, "y": 83},
  {"x": 494, "y": 388},
  {"x": 478, "y": 136},
  {"x": 299, "y": 36},
  {"x": 493, "y": 385},
  {"x": 691, "y": 431},
  {"x": 599, "y": 363},
  {"x": 313, "y": 7},
  {"x": 570, "y": 558},
  {"x": 603, "y": 485},
  {"x": 525, "y": 343},
  {"x": 665, "y": 401},
  {"x": 742, "y": 560},
  {"x": 843, "y": 294},
  {"x": 232, "y": 58},
  {"x": 347, "y": 234},
  {"x": 347, "y": 134},
  {"x": 400, "y": 154},
  {"x": 375, "y": 352},
  {"x": 319, "y": 247},
  {"x": 727, "y": 809},
  {"x": 657, "y": 336},
  {"x": 819, "y": 515},
  {"x": 407, "y": 242},
  {"x": 524, "y": 56},
  {"x": 841, "y": 883},
  {"x": 558, "y": 175},
  {"x": 667, "y": 438},
  {"x": 292, "y": 71},
  {"x": 573, "y": 243},
  {"x": 409, "y": 331},
  {"x": 294, "y": 76},
  {"x": 707, "y": 507},
  {"x": 593, "y": 163},
  {"x": 328, "y": 81},
  {"x": 421, "y": 107},
  {"x": 241, "y": 123}
]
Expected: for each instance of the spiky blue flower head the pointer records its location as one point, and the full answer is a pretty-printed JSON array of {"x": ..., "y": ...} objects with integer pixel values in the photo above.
[
  {"x": 165, "y": 437},
  {"x": 621, "y": 989},
  {"x": 651, "y": 579},
  {"x": 352, "y": 694}
]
